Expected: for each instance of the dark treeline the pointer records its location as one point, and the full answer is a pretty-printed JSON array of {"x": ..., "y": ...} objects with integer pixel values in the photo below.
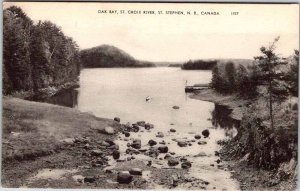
[
  {"x": 106, "y": 56},
  {"x": 36, "y": 56},
  {"x": 199, "y": 65}
]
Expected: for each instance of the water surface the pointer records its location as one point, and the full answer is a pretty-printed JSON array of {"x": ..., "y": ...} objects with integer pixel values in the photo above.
[{"x": 110, "y": 93}]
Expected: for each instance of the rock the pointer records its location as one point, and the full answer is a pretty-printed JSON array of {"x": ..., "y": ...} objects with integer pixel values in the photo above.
[
  {"x": 127, "y": 134},
  {"x": 167, "y": 156},
  {"x": 89, "y": 179},
  {"x": 132, "y": 151},
  {"x": 117, "y": 119},
  {"x": 149, "y": 163},
  {"x": 173, "y": 161},
  {"x": 186, "y": 165},
  {"x": 109, "y": 130},
  {"x": 172, "y": 153},
  {"x": 162, "y": 142},
  {"x": 160, "y": 134},
  {"x": 104, "y": 143},
  {"x": 190, "y": 144},
  {"x": 152, "y": 142},
  {"x": 136, "y": 144},
  {"x": 202, "y": 143},
  {"x": 135, "y": 127},
  {"x": 110, "y": 142},
  {"x": 149, "y": 126},
  {"x": 141, "y": 123},
  {"x": 96, "y": 152},
  {"x": 173, "y": 130},
  {"x": 116, "y": 154},
  {"x": 205, "y": 133},
  {"x": 218, "y": 161},
  {"x": 114, "y": 147},
  {"x": 136, "y": 171},
  {"x": 124, "y": 177},
  {"x": 197, "y": 137},
  {"x": 182, "y": 143},
  {"x": 217, "y": 153},
  {"x": 201, "y": 154},
  {"x": 163, "y": 149},
  {"x": 152, "y": 152},
  {"x": 175, "y": 107}
]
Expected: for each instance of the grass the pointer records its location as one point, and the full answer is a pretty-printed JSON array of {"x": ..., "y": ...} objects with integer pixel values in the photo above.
[{"x": 32, "y": 129}]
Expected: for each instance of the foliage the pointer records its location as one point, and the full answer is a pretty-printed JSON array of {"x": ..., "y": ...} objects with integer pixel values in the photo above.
[
  {"x": 271, "y": 76},
  {"x": 199, "y": 65},
  {"x": 36, "y": 56},
  {"x": 106, "y": 56},
  {"x": 292, "y": 75}
]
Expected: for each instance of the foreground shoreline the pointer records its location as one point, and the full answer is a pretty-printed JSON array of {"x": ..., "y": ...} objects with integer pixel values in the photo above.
[{"x": 50, "y": 146}]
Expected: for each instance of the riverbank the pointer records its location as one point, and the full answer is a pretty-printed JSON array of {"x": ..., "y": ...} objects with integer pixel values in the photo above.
[
  {"x": 49, "y": 146},
  {"x": 235, "y": 104},
  {"x": 259, "y": 163}
]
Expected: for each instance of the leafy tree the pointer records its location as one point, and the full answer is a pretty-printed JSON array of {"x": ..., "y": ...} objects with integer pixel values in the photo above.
[
  {"x": 16, "y": 55},
  {"x": 230, "y": 73},
  {"x": 216, "y": 81},
  {"x": 269, "y": 63}
]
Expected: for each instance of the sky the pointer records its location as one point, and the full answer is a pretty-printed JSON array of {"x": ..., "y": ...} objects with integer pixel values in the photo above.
[{"x": 174, "y": 38}]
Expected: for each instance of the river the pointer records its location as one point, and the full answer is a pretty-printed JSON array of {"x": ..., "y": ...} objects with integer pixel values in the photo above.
[{"x": 118, "y": 92}]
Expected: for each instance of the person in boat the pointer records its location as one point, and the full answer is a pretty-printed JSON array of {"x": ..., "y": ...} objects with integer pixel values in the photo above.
[{"x": 148, "y": 98}]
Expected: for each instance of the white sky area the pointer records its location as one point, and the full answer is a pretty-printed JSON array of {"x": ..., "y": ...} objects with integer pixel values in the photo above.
[{"x": 174, "y": 37}]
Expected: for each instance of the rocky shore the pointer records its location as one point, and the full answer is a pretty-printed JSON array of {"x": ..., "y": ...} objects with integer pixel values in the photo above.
[
  {"x": 51, "y": 146},
  {"x": 260, "y": 158}
]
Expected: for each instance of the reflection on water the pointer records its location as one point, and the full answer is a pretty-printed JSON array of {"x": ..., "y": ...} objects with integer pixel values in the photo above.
[
  {"x": 221, "y": 118},
  {"x": 67, "y": 98}
]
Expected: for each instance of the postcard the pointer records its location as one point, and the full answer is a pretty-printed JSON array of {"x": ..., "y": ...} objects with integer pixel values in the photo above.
[{"x": 140, "y": 95}]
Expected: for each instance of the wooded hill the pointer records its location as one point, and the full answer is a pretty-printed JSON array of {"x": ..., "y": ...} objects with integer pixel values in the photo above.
[{"x": 106, "y": 56}]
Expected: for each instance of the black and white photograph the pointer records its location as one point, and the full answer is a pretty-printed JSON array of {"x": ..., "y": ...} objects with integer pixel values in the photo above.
[{"x": 150, "y": 96}]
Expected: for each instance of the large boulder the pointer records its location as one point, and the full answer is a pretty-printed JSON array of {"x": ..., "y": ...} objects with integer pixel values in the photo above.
[
  {"x": 137, "y": 144},
  {"x": 186, "y": 165},
  {"x": 135, "y": 128},
  {"x": 172, "y": 130},
  {"x": 182, "y": 143},
  {"x": 149, "y": 126},
  {"x": 124, "y": 177},
  {"x": 173, "y": 161},
  {"x": 116, "y": 154},
  {"x": 117, "y": 119},
  {"x": 163, "y": 149},
  {"x": 152, "y": 142},
  {"x": 205, "y": 133},
  {"x": 136, "y": 171},
  {"x": 141, "y": 123},
  {"x": 197, "y": 137}
]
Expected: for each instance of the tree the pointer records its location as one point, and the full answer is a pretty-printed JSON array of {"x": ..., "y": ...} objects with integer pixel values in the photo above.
[
  {"x": 269, "y": 63},
  {"x": 216, "y": 81},
  {"x": 230, "y": 73},
  {"x": 16, "y": 55},
  {"x": 292, "y": 75}
]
